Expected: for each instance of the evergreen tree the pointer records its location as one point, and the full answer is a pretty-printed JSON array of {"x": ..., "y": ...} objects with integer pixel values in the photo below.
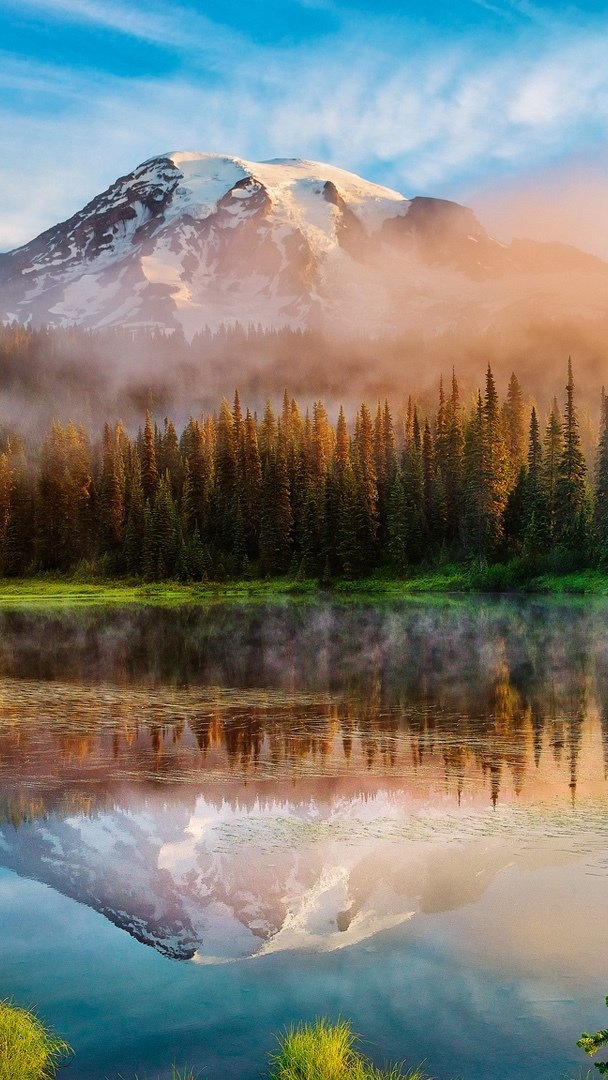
[
  {"x": 450, "y": 463},
  {"x": 495, "y": 468},
  {"x": 149, "y": 470},
  {"x": 63, "y": 498},
  {"x": 149, "y": 561},
  {"x": 165, "y": 530},
  {"x": 514, "y": 429},
  {"x": 412, "y": 482},
  {"x": 352, "y": 531},
  {"x": 252, "y": 485},
  {"x": 197, "y": 479},
  {"x": 397, "y": 530},
  {"x": 601, "y": 488},
  {"x": 169, "y": 458},
  {"x": 342, "y": 442},
  {"x": 572, "y": 502},
  {"x": 268, "y": 434},
  {"x": 276, "y": 518},
  {"x": 225, "y": 494},
  {"x": 133, "y": 549},
  {"x": 6, "y": 491},
  {"x": 474, "y": 497},
  {"x": 111, "y": 499},
  {"x": 434, "y": 511},
  {"x": 367, "y": 482},
  {"x": 19, "y": 543},
  {"x": 535, "y": 504},
  {"x": 552, "y": 454}
]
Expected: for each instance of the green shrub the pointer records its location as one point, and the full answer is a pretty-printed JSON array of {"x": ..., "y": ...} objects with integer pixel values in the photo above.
[
  {"x": 592, "y": 1043},
  {"x": 28, "y": 1049}
]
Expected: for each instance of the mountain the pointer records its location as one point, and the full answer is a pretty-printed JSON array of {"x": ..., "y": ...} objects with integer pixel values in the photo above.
[
  {"x": 214, "y": 885},
  {"x": 194, "y": 240}
]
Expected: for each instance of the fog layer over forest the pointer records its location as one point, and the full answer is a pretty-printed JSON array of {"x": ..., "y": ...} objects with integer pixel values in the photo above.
[{"x": 93, "y": 376}]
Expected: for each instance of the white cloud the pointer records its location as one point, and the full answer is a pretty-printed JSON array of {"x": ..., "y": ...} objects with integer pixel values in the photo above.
[
  {"x": 160, "y": 24},
  {"x": 423, "y": 119}
]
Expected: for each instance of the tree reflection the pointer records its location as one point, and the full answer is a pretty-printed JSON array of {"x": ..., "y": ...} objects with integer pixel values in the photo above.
[{"x": 491, "y": 699}]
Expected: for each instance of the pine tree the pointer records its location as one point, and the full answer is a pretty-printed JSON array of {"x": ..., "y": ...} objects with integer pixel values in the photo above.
[
  {"x": 6, "y": 491},
  {"x": 276, "y": 518},
  {"x": 342, "y": 442},
  {"x": 149, "y": 561},
  {"x": 225, "y": 494},
  {"x": 149, "y": 470},
  {"x": 111, "y": 499},
  {"x": 552, "y": 454},
  {"x": 268, "y": 434},
  {"x": 165, "y": 531},
  {"x": 133, "y": 548},
  {"x": 412, "y": 482},
  {"x": 514, "y": 429},
  {"x": 474, "y": 499},
  {"x": 20, "y": 539},
  {"x": 434, "y": 512},
  {"x": 63, "y": 498},
  {"x": 572, "y": 499},
  {"x": 601, "y": 488},
  {"x": 397, "y": 530},
  {"x": 386, "y": 465},
  {"x": 169, "y": 458},
  {"x": 252, "y": 485},
  {"x": 535, "y": 505},
  {"x": 450, "y": 463},
  {"x": 197, "y": 479},
  {"x": 367, "y": 482},
  {"x": 352, "y": 529},
  {"x": 495, "y": 467}
]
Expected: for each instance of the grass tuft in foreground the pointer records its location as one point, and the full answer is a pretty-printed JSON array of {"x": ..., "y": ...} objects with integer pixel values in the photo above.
[
  {"x": 324, "y": 1051},
  {"x": 28, "y": 1049}
]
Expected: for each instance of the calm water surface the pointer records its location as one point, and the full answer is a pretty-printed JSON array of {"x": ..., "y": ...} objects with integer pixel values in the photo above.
[{"x": 215, "y": 822}]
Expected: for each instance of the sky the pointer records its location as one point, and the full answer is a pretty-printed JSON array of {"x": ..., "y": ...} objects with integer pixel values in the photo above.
[{"x": 500, "y": 104}]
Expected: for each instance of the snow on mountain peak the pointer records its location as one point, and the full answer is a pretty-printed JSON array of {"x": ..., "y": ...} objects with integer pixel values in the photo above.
[
  {"x": 207, "y": 177},
  {"x": 190, "y": 240}
]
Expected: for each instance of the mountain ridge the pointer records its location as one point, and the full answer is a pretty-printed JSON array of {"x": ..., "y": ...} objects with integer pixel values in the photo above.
[{"x": 191, "y": 240}]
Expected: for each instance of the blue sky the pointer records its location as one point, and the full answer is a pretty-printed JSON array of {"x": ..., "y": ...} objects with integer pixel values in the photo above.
[{"x": 483, "y": 101}]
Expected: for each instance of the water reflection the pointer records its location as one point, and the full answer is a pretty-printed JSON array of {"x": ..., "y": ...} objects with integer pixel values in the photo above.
[
  {"x": 504, "y": 699},
  {"x": 229, "y": 782}
]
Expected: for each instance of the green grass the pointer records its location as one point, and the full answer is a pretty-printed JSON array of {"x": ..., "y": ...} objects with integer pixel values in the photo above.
[
  {"x": 507, "y": 578},
  {"x": 28, "y": 1049},
  {"x": 84, "y": 588},
  {"x": 324, "y": 1051}
]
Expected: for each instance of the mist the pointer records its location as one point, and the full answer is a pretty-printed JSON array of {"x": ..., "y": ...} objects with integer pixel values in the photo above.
[
  {"x": 565, "y": 203},
  {"x": 91, "y": 377}
]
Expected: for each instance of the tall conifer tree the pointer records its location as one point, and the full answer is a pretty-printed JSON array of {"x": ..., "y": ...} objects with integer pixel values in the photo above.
[{"x": 571, "y": 488}]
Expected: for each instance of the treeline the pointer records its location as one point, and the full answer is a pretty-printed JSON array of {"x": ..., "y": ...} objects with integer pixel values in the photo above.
[{"x": 237, "y": 494}]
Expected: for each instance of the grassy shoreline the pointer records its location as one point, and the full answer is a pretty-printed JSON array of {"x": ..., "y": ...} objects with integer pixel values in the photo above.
[{"x": 502, "y": 580}]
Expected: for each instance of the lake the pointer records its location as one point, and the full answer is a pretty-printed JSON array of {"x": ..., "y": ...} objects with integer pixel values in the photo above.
[{"x": 217, "y": 821}]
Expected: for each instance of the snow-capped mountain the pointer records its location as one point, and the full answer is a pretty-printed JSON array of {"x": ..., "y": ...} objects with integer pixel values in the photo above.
[{"x": 197, "y": 240}]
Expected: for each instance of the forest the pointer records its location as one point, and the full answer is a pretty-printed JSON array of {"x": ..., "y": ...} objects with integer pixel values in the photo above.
[{"x": 238, "y": 495}]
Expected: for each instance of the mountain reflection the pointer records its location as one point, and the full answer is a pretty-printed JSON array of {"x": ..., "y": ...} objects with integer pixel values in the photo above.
[{"x": 232, "y": 781}]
